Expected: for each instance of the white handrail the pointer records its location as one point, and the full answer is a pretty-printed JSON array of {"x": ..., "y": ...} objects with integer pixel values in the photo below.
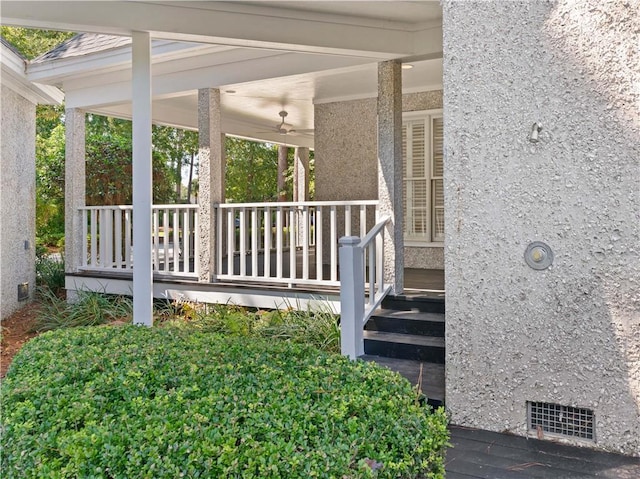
[
  {"x": 362, "y": 289},
  {"x": 108, "y": 239},
  {"x": 299, "y": 203},
  {"x": 302, "y": 237}
]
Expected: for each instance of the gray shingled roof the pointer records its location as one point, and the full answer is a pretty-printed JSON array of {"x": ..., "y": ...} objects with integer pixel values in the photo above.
[{"x": 83, "y": 44}]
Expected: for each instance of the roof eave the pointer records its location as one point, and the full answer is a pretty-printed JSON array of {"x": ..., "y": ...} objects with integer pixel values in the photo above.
[{"x": 14, "y": 76}]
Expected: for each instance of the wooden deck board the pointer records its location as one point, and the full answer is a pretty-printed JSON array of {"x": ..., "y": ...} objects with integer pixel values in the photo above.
[{"x": 485, "y": 454}]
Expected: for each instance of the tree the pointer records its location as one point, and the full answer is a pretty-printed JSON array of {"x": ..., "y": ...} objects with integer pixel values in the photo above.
[
  {"x": 31, "y": 42},
  {"x": 109, "y": 154},
  {"x": 252, "y": 171},
  {"x": 177, "y": 148},
  {"x": 50, "y": 185},
  {"x": 49, "y": 138}
]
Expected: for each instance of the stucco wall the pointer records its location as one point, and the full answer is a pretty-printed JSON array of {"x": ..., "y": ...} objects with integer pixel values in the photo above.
[
  {"x": 17, "y": 198},
  {"x": 569, "y": 334},
  {"x": 346, "y": 164}
]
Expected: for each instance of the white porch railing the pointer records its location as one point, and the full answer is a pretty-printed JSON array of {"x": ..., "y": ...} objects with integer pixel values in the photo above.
[
  {"x": 362, "y": 289},
  {"x": 108, "y": 239},
  {"x": 286, "y": 242}
]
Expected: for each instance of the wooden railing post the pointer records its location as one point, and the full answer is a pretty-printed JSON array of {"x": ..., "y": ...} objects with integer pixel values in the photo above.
[{"x": 351, "y": 297}]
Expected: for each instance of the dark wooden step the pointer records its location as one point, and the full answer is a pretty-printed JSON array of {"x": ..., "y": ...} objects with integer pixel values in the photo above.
[
  {"x": 407, "y": 322},
  {"x": 425, "y": 304},
  {"x": 404, "y": 346}
]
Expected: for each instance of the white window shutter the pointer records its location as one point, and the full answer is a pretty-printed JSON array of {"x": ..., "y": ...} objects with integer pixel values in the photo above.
[
  {"x": 437, "y": 185},
  {"x": 416, "y": 196},
  {"x": 423, "y": 195}
]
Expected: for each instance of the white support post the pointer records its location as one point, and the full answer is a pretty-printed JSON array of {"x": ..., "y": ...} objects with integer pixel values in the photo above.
[
  {"x": 351, "y": 297},
  {"x": 142, "y": 180}
]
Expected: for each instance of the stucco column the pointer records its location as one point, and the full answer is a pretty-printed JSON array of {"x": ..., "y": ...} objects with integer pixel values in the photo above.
[
  {"x": 390, "y": 169},
  {"x": 301, "y": 184},
  {"x": 211, "y": 177},
  {"x": 74, "y": 188}
]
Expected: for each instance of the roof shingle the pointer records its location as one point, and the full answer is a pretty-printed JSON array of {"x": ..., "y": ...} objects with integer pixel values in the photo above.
[{"x": 83, "y": 44}]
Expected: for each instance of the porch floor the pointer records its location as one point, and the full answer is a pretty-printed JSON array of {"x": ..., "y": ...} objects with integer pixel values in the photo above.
[
  {"x": 417, "y": 282},
  {"x": 479, "y": 454}
]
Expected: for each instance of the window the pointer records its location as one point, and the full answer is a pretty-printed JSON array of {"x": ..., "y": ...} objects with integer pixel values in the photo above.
[{"x": 423, "y": 198}]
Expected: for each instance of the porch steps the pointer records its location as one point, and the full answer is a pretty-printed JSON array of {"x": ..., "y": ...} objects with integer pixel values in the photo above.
[
  {"x": 407, "y": 335},
  {"x": 404, "y": 346}
]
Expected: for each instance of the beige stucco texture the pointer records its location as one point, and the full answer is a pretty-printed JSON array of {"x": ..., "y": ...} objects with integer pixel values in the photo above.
[
  {"x": 346, "y": 162},
  {"x": 569, "y": 334},
  {"x": 17, "y": 193}
]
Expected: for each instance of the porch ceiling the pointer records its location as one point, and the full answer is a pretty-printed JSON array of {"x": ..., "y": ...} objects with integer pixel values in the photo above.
[{"x": 264, "y": 56}]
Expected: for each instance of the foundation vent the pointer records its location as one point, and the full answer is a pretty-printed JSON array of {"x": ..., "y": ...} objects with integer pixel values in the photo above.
[{"x": 565, "y": 421}]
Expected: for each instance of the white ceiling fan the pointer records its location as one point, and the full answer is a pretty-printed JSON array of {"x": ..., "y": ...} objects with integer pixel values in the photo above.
[{"x": 285, "y": 128}]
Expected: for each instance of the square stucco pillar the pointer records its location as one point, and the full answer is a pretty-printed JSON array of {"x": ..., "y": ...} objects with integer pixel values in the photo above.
[
  {"x": 211, "y": 177},
  {"x": 390, "y": 170},
  {"x": 301, "y": 185},
  {"x": 74, "y": 188}
]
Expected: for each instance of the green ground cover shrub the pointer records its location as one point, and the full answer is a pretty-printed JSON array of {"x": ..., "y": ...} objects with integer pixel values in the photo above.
[
  {"x": 318, "y": 328},
  {"x": 133, "y": 402}
]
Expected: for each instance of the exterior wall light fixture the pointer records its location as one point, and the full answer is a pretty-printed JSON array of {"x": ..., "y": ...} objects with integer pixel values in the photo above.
[
  {"x": 538, "y": 255},
  {"x": 535, "y": 132}
]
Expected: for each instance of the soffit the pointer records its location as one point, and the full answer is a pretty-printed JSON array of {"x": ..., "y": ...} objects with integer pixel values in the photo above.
[{"x": 265, "y": 80}]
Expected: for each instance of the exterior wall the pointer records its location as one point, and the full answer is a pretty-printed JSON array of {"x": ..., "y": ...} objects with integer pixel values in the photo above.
[
  {"x": 423, "y": 257},
  {"x": 567, "y": 334},
  {"x": 17, "y": 199},
  {"x": 346, "y": 161}
]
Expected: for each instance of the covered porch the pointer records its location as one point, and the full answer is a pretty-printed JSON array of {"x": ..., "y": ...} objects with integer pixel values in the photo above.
[{"x": 287, "y": 248}]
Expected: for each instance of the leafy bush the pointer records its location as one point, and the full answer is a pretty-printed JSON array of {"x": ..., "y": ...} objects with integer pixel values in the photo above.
[
  {"x": 50, "y": 274},
  {"x": 88, "y": 309},
  {"x": 167, "y": 402}
]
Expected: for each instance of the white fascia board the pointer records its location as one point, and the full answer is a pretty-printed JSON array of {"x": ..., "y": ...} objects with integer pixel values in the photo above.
[
  {"x": 116, "y": 87},
  {"x": 224, "y": 24},
  {"x": 13, "y": 76},
  {"x": 37, "y": 94},
  {"x": 58, "y": 71},
  {"x": 11, "y": 62}
]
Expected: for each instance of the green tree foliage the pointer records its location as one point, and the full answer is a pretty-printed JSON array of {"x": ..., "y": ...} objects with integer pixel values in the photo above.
[
  {"x": 49, "y": 138},
  {"x": 32, "y": 43},
  {"x": 177, "y": 148},
  {"x": 109, "y": 152},
  {"x": 252, "y": 170},
  {"x": 50, "y": 150}
]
